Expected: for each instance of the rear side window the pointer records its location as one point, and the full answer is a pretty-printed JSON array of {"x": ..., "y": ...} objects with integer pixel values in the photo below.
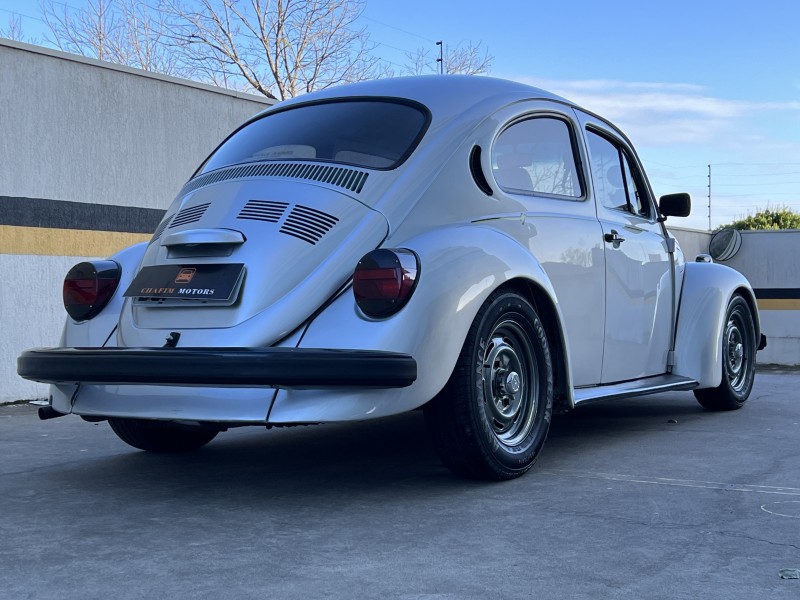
[
  {"x": 537, "y": 156},
  {"x": 377, "y": 134}
]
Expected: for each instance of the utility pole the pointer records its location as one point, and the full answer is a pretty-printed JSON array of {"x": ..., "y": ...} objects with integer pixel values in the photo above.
[
  {"x": 709, "y": 197},
  {"x": 440, "y": 60}
]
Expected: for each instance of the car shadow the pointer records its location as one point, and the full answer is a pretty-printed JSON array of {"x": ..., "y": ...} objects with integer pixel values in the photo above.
[{"x": 387, "y": 456}]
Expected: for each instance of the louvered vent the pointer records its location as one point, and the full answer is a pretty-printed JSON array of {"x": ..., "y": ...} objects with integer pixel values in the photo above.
[
  {"x": 349, "y": 179},
  {"x": 263, "y": 210},
  {"x": 308, "y": 224},
  {"x": 160, "y": 229},
  {"x": 191, "y": 214}
]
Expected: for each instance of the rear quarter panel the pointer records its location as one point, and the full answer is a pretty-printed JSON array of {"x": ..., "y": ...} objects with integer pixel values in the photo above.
[{"x": 460, "y": 267}]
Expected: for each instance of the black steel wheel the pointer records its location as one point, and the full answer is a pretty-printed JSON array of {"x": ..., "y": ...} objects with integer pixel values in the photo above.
[
  {"x": 738, "y": 360},
  {"x": 160, "y": 436},
  {"x": 492, "y": 418}
]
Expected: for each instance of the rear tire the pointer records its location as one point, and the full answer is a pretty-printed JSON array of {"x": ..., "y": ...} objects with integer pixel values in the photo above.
[
  {"x": 738, "y": 360},
  {"x": 160, "y": 436},
  {"x": 492, "y": 418}
]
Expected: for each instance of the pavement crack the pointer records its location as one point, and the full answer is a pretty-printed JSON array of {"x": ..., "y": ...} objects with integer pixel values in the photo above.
[{"x": 755, "y": 539}]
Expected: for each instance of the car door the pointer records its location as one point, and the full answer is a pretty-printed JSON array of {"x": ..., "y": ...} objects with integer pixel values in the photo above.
[{"x": 638, "y": 284}]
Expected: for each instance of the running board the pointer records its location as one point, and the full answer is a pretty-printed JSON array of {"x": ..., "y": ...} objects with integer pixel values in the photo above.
[{"x": 640, "y": 387}]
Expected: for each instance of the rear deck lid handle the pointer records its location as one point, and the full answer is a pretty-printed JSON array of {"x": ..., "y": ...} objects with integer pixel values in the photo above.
[{"x": 192, "y": 237}]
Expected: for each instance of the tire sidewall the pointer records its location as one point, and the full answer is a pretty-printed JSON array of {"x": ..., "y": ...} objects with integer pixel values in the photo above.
[
  {"x": 738, "y": 303},
  {"x": 519, "y": 457}
]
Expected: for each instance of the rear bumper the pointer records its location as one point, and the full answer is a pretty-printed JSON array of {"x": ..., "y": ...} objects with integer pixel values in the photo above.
[{"x": 223, "y": 367}]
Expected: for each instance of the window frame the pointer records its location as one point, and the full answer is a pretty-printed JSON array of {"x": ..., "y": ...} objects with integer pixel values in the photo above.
[
  {"x": 574, "y": 147},
  {"x": 636, "y": 171},
  {"x": 424, "y": 110}
]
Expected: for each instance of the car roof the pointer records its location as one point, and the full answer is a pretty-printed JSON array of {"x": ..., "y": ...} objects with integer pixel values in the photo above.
[{"x": 445, "y": 95}]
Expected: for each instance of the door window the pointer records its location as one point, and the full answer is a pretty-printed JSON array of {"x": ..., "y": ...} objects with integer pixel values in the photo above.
[{"x": 617, "y": 185}]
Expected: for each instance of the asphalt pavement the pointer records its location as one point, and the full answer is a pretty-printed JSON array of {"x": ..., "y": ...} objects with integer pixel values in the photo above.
[{"x": 641, "y": 498}]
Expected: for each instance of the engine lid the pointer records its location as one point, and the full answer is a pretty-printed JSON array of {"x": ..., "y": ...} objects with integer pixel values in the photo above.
[{"x": 298, "y": 244}]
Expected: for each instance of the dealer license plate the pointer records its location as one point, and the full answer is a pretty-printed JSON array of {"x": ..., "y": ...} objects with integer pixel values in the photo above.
[{"x": 218, "y": 284}]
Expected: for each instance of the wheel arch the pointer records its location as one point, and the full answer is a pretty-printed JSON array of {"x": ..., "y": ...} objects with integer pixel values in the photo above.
[{"x": 707, "y": 291}]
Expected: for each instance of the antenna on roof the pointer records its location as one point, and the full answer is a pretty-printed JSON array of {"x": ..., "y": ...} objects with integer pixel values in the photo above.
[{"x": 440, "y": 60}]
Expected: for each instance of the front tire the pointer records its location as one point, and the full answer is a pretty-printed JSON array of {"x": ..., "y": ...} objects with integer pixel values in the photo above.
[
  {"x": 738, "y": 360},
  {"x": 492, "y": 418},
  {"x": 160, "y": 436}
]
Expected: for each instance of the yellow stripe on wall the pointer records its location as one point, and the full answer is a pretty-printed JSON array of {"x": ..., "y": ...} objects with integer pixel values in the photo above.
[
  {"x": 65, "y": 242},
  {"x": 778, "y": 303}
]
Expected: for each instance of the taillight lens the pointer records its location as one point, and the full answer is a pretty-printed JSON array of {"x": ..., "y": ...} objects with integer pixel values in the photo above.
[
  {"x": 384, "y": 280},
  {"x": 89, "y": 286}
]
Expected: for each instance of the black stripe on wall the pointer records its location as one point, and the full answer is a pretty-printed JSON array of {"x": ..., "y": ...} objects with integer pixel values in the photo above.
[
  {"x": 63, "y": 214},
  {"x": 777, "y": 293}
]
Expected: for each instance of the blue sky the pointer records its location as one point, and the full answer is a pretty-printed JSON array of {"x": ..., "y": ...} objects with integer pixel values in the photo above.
[{"x": 692, "y": 83}]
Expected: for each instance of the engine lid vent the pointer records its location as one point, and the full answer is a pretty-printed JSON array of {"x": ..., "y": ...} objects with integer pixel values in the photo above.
[
  {"x": 160, "y": 229},
  {"x": 263, "y": 210},
  {"x": 191, "y": 214},
  {"x": 346, "y": 178},
  {"x": 308, "y": 224}
]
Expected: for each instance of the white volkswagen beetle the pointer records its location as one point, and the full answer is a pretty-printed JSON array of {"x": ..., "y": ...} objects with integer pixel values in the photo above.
[{"x": 481, "y": 249}]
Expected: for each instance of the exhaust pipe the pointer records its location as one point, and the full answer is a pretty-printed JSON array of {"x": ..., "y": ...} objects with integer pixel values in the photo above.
[{"x": 48, "y": 412}]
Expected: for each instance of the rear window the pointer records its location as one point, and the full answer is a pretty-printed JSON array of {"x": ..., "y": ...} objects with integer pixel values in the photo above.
[{"x": 377, "y": 134}]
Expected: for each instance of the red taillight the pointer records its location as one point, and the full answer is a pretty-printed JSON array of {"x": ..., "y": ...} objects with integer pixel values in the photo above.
[
  {"x": 89, "y": 286},
  {"x": 384, "y": 280}
]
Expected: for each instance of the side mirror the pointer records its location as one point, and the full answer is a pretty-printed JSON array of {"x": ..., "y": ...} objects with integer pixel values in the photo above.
[{"x": 675, "y": 205}]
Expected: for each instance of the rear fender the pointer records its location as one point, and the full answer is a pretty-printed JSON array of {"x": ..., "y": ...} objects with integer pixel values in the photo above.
[
  {"x": 94, "y": 332},
  {"x": 707, "y": 290},
  {"x": 97, "y": 331},
  {"x": 460, "y": 267}
]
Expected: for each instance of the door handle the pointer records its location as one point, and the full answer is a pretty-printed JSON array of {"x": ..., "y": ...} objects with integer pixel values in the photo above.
[{"x": 614, "y": 238}]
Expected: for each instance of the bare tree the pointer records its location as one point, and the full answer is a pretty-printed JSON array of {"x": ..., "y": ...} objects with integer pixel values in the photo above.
[
  {"x": 13, "y": 31},
  {"x": 93, "y": 31},
  {"x": 464, "y": 60},
  {"x": 279, "y": 48},
  {"x": 145, "y": 41},
  {"x": 127, "y": 32}
]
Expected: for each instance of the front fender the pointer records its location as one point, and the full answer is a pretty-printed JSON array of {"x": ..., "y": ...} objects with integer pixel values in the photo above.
[
  {"x": 707, "y": 290},
  {"x": 460, "y": 267}
]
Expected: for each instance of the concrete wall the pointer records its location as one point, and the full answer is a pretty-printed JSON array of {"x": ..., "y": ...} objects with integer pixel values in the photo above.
[
  {"x": 692, "y": 241},
  {"x": 90, "y": 156},
  {"x": 769, "y": 260}
]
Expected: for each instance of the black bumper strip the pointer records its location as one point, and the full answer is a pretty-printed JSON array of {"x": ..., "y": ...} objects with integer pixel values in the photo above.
[{"x": 242, "y": 367}]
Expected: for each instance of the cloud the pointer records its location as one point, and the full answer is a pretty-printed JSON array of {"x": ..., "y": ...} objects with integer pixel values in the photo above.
[{"x": 661, "y": 114}]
